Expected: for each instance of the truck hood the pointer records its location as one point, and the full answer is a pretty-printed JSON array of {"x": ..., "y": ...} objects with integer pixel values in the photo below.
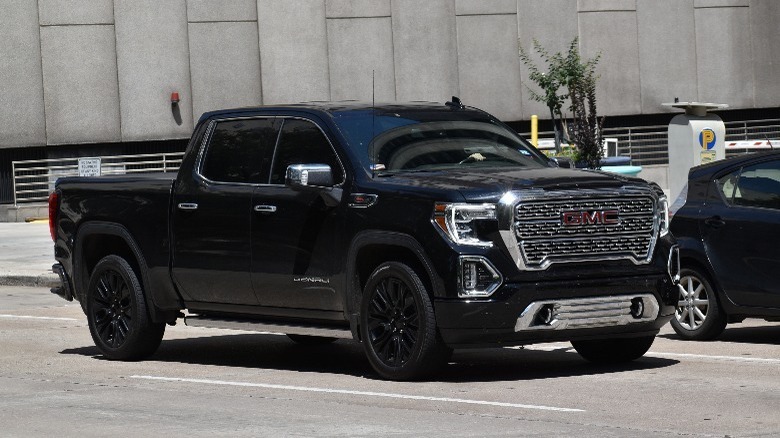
[{"x": 488, "y": 185}]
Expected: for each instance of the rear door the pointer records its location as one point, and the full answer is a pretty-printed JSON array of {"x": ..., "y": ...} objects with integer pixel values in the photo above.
[
  {"x": 741, "y": 232},
  {"x": 212, "y": 211}
]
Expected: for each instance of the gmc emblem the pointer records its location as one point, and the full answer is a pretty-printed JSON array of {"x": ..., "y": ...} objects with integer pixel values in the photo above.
[{"x": 598, "y": 217}]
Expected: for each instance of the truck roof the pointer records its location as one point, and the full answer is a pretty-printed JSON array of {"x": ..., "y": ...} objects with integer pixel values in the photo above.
[{"x": 332, "y": 107}]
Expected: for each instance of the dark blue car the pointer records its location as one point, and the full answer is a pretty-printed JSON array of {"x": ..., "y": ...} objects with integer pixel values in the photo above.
[{"x": 729, "y": 235}]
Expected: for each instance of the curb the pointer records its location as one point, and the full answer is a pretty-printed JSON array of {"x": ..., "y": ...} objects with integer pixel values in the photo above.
[{"x": 48, "y": 280}]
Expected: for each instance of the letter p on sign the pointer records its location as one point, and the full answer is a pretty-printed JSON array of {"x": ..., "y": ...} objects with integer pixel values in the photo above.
[{"x": 707, "y": 138}]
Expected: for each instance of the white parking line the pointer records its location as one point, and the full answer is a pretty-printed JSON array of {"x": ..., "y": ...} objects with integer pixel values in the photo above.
[
  {"x": 361, "y": 393},
  {"x": 705, "y": 356},
  {"x": 37, "y": 317},
  {"x": 569, "y": 349}
]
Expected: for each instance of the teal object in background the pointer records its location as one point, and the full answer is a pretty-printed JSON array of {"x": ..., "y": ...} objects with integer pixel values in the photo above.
[{"x": 623, "y": 170}]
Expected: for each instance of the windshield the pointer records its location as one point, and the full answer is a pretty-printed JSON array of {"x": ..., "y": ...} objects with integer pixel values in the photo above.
[{"x": 390, "y": 143}]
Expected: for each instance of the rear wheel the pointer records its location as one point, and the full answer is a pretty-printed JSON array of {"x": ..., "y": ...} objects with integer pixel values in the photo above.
[
  {"x": 398, "y": 327},
  {"x": 117, "y": 312},
  {"x": 698, "y": 316},
  {"x": 616, "y": 350}
]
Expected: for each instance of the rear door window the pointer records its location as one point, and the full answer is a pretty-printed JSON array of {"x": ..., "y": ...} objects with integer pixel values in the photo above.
[{"x": 241, "y": 150}]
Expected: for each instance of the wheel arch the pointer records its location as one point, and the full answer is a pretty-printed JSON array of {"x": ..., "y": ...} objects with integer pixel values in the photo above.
[
  {"x": 371, "y": 248},
  {"x": 694, "y": 256},
  {"x": 98, "y": 239}
]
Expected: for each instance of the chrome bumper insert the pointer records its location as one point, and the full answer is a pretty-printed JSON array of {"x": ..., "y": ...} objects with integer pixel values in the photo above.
[{"x": 577, "y": 313}]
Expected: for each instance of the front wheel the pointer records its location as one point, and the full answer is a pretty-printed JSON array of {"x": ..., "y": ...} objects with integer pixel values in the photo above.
[
  {"x": 397, "y": 324},
  {"x": 617, "y": 350},
  {"x": 698, "y": 316},
  {"x": 117, "y": 313}
]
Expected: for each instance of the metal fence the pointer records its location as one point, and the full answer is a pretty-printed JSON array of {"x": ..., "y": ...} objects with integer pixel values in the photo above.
[
  {"x": 33, "y": 180},
  {"x": 648, "y": 145}
]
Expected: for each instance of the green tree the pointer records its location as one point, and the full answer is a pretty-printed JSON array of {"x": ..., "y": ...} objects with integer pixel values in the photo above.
[{"x": 578, "y": 78}]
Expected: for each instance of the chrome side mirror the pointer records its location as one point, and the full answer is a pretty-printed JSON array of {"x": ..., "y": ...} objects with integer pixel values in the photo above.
[
  {"x": 314, "y": 178},
  {"x": 308, "y": 175}
]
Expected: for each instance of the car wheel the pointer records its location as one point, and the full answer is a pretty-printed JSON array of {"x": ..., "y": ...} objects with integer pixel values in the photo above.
[
  {"x": 310, "y": 340},
  {"x": 698, "y": 316},
  {"x": 117, "y": 313},
  {"x": 397, "y": 324},
  {"x": 616, "y": 350}
]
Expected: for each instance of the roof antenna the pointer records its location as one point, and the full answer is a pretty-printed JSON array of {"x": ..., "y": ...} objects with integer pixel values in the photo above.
[
  {"x": 371, "y": 158},
  {"x": 455, "y": 103}
]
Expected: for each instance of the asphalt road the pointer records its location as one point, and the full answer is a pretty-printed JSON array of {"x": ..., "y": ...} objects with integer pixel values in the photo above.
[{"x": 207, "y": 382}]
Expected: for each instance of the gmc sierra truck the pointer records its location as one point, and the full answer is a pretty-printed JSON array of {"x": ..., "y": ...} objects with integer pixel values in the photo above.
[{"x": 414, "y": 229}]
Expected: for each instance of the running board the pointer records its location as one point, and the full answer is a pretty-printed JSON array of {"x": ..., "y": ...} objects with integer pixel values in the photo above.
[{"x": 265, "y": 326}]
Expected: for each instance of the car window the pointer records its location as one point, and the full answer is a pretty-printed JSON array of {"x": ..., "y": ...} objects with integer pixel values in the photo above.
[
  {"x": 302, "y": 142},
  {"x": 759, "y": 186},
  {"x": 240, "y": 151},
  {"x": 727, "y": 184}
]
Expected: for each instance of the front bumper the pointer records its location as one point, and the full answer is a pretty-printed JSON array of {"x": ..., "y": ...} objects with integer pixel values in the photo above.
[{"x": 582, "y": 309}]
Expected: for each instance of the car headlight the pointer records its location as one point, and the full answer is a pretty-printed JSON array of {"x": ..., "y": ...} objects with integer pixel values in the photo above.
[
  {"x": 458, "y": 221},
  {"x": 663, "y": 216}
]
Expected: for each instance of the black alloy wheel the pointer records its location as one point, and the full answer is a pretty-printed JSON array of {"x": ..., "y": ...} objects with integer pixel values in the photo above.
[
  {"x": 112, "y": 309},
  {"x": 398, "y": 326},
  {"x": 117, "y": 313}
]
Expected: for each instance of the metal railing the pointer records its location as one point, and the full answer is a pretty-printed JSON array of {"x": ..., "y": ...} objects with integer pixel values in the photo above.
[
  {"x": 33, "y": 180},
  {"x": 648, "y": 145}
]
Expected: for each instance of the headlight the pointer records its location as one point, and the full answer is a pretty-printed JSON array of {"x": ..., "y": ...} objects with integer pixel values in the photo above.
[
  {"x": 663, "y": 216},
  {"x": 457, "y": 221}
]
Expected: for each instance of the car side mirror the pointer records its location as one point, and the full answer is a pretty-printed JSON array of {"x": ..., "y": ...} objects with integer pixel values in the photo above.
[
  {"x": 314, "y": 177},
  {"x": 308, "y": 175}
]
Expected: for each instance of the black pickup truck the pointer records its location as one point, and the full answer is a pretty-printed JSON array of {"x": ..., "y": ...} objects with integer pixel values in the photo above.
[{"x": 415, "y": 229}]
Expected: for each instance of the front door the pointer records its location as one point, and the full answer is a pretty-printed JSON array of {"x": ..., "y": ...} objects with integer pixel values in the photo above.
[{"x": 295, "y": 236}]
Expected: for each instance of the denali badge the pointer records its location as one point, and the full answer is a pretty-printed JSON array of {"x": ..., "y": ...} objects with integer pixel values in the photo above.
[{"x": 598, "y": 217}]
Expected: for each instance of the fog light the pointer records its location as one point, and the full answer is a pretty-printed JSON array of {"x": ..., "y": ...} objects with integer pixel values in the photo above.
[
  {"x": 477, "y": 277},
  {"x": 545, "y": 315},
  {"x": 637, "y": 308}
]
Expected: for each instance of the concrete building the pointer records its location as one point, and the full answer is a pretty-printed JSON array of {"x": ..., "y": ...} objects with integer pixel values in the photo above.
[{"x": 102, "y": 72}]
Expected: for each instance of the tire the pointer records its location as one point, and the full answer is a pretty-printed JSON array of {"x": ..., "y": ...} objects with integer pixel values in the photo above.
[
  {"x": 612, "y": 351},
  {"x": 398, "y": 326},
  {"x": 117, "y": 314},
  {"x": 310, "y": 340},
  {"x": 698, "y": 315}
]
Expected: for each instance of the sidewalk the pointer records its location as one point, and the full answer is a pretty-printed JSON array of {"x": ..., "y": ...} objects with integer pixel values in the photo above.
[{"x": 26, "y": 255}]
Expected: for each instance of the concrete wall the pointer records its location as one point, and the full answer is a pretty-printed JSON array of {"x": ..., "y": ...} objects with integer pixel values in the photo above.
[
  {"x": 88, "y": 71},
  {"x": 665, "y": 77},
  {"x": 488, "y": 61},
  {"x": 22, "y": 119},
  {"x": 153, "y": 61},
  {"x": 80, "y": 84}
]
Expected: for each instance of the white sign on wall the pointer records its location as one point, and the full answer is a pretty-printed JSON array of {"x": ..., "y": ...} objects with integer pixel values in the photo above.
[{"x": 89, "y": 166}]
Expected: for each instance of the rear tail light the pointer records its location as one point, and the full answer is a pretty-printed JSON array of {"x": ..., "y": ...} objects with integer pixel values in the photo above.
[{"x": 54, "y": 207}]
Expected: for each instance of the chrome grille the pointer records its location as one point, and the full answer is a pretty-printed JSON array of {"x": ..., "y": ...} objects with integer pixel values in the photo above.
[{"x": 543, "y": 239}]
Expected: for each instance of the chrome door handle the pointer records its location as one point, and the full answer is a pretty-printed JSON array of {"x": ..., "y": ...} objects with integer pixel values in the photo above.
[
  {"x": 265, "y": 208},
  {"x": 188, "y": 206}
]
